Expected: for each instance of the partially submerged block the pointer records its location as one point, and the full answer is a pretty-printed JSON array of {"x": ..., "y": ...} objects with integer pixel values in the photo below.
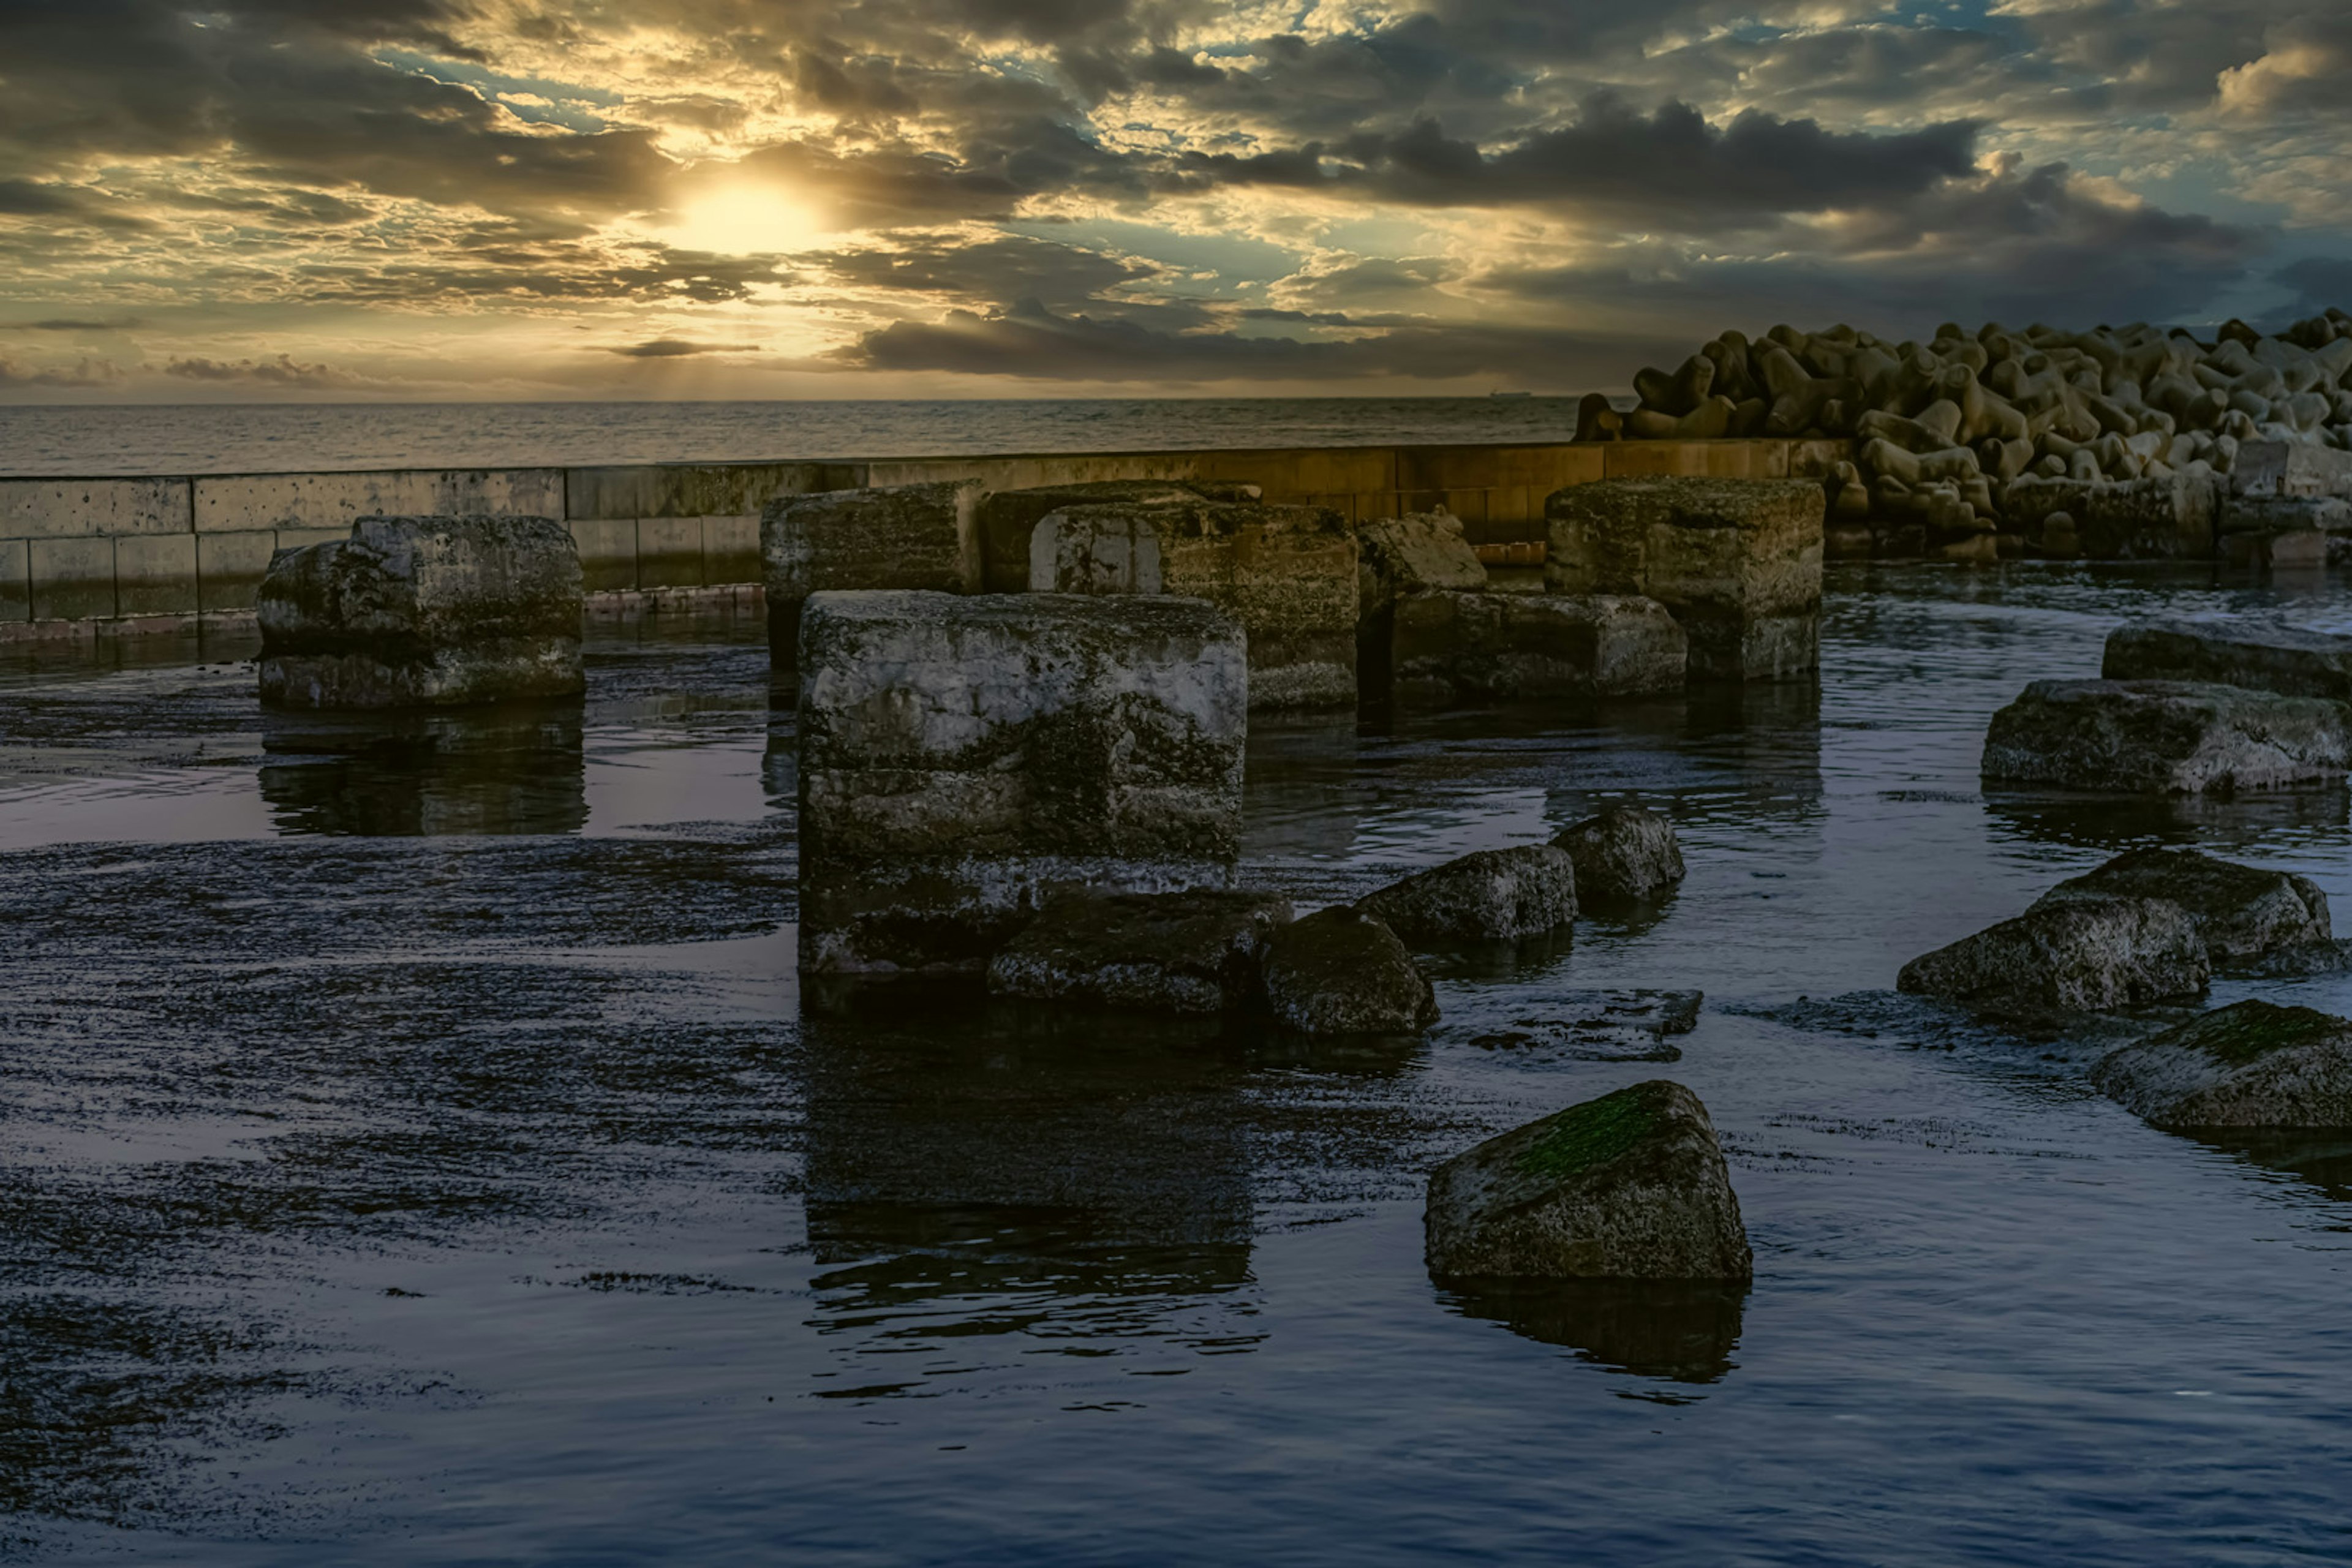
[
  {"x": 1737, "y": 562},
  {"x": 2244, "y": 913},
  {"x": 962, "y": 756},
  {"x": 1625, "y": 855},
  {"x": 1197, "y": 952},
  {"x": 1341, "y": 972},
  {"x": 901, "y": 536},
  {"x": 1397, "y": 557},
  {"x": 2084, "y": 955},
  {"x": 2166, "y": 737},
  {"x": 1287, "y": 574},
  {"x": 1632, "y": 1185},
  {"x": 1485, "y": 896},
  {"x": 2290, "y": 662},
  {"x": 2252, "y": 1065},
  {"x": 424, "y": 612},
  {"x": 1008, "y": 518},
  {"x": 1475, "y": 647}
]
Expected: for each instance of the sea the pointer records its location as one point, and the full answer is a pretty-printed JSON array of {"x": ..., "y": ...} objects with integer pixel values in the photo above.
[{"x": 92, "y": 441}]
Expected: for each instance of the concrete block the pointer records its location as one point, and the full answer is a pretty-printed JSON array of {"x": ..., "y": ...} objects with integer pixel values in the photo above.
[
  {"x": 916, "y": 537},
  {"x": 669, "y": 553},
  {"x": 608, "y": 553},
  {"x": 1095, "y": 550},
  {"x": 2290, "y": 468},
  {"x": 1005, "y": 518},
  {"x": 16, "y": 581},
  {"x": 155, "y": 574},
  {"x": 245, "y": 502},
  {"x": 1476, "y": 646},
  {"x": 1287, "y": 574},
  {"x": 72, "y": 579},
  {"x": 730, "y": 549},
  {"x": 303, "y": 538},
  {"x": 54, "y": 509},
  {"x": 414, "y": 612},
  {"x": 229, "y": 568},
  {"x": 1738, "y": 563},
  {"x": 962, "y": 756},
  {"x": 2276, "y": 551}
]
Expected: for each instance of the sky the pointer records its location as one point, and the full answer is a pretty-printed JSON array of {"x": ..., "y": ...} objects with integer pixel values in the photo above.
[{"x": 265, "y": 200}]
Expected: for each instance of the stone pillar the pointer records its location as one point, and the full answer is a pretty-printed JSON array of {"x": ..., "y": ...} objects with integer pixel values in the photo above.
[
  {"x": 1452, "y": 648},
  {"x": 429, "y": 612},
  {"x": 901, "y": 536},
  {"x": 960, "y": 757},
  {"x": 1737, "y": 562}
]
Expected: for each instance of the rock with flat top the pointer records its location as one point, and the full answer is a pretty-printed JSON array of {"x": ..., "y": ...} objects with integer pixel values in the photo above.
[
  {"x": 1632, "y": 1187},
  {"x": 2166, "y": 737},
  {"x": 1198, "y": 951},
  {"x": 1008, "y": 518},
  {"x": 1624, "y": 855},
  {"x": 2080, "y": 954},
  {"x": 1490, "y": 895},
  {"x": 1737, "y": 562},
  {"x": 424, "y": 612},
  {"x": 2243, "y": 914},
  {"x": 1341, "y": 972},
  {"x": 963, "y": 756},
  {"x": 2252, "y": 1065},
  {"x": 1448, "y": 648},
  {"x": 2281, "y": 659}
]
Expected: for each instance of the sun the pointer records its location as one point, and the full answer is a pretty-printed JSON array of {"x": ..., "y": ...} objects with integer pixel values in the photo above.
[{"x": 745, "y": 220}]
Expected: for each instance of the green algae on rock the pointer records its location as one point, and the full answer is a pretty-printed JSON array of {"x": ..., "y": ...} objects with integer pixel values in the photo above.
[{"x": 2254, "y": 1064}]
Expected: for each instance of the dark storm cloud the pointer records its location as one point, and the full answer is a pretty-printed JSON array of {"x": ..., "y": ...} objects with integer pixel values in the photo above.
[
  {"x": 278, "y": 370},
  {"x": 990, "y": 270},
  {"x": 678, "y": 348},
  {"x": 1032, "y": 342},
  {"x": 77, "y": 324},
  {"x": 2319, "y": 283},
  {"x": 1670, "y": 164},
  {"x": 67, "y": 205}
]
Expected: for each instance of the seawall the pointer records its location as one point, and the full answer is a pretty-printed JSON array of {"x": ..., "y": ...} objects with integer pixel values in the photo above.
[{"x": 99, "y": 557}]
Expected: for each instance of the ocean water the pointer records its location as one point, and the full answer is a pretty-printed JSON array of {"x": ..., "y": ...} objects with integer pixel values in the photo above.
[
  {"x": 416, "y": 1148},
  {"x": 95, "y": 441}
]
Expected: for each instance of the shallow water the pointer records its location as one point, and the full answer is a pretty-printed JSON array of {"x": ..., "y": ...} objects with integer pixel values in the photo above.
[{"x": 414, "y": 1148}]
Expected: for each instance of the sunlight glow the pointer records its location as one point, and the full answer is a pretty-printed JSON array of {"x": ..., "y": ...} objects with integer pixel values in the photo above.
[{"x": 746, "y": 220}]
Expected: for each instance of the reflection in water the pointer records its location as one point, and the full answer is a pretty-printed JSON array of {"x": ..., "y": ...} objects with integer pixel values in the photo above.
[
  {"x": 516, "y": 768},
  {"x": 2320, "y": 1157},
  {"x": 2219, "y": 825},
  {"x": 989, "y": 1181},
  {"x": 1678, "y": 1330}
]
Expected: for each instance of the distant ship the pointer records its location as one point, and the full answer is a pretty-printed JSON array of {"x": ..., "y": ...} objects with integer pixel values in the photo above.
[{"x": 1498, "y": 391}]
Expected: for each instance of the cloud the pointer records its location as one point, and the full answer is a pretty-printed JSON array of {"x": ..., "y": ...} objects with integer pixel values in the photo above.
[
  {"x": 2319, "y": 283},
  {"x": 280, "y": 369},
  {"x": 85, "y": 373},
  {"x": 678, "y": 348},
  {"x": 76, "y": 324}
]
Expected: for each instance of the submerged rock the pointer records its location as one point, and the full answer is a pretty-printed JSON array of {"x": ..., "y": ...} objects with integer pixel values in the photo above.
[
  {"x": 1603, "y": 1025},
  {"x": 1341, "y": 972},
  {"x": 1631, "y": 1185},
  {"x": 412, "y": 612},
  {"x": 2268, "y": 658},
  {"x": 2166, "y": 737},
  {"x": 2244, "y": 913},
  {"x": 1492, "y": 894},
  {"x": 1198, "y": 951},
  {"x": 2080, "y": 954},
  {"x": 1625, "y": 855},
  {"x": 2250, "y": 1065}
]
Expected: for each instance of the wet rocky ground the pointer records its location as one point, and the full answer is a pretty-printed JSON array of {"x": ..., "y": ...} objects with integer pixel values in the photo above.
[{"x": 414, "y": 1147}]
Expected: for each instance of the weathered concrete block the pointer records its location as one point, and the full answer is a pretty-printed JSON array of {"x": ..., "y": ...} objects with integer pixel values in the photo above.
[
  {"x": 248, "y": 501},
  {"x": 1108, "y": 549},
  {"x": 2165, "y": 518},
  {"x": 2166, "y": 737},
  {"x": 2290, "y": 468},
  {"x": 1631, "y": 1185},
  {"x": 1007, "y": 517},
  {"x": 2252, "y": 1065},
  {"x": 53, "y": 509},
  {"x": 1397, "y": 557},
  {"x": 963, "y": 756},
  {"x": 155, "y": 574},
  {"x": 1198, "y": 951},
  {"x": 669, "y": 553},
  {"x": 2283, "y": 659},
  {"x": 72, "y": 579},
  {"x": 1488, "y": 895},
  {"x": 730, "y": 549},
  {"x": 2241, "y": 912},
  {"x": 919, "y": 537},
  {"x": 424, "y": 612},
  {"x": 1737, "y": 562},
  {"x": 1287, "y": 574},
  {"x": 693, "y": 489},
  {"x": 2082, "y": 955},
  {"x": 1450, "y": 646},
  {"x": 608, "y": 553},
  {"x": 2303, "y": 552}
]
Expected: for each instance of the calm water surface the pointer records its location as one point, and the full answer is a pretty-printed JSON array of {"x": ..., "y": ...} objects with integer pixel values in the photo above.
[{"x": 414, "y": 1149}]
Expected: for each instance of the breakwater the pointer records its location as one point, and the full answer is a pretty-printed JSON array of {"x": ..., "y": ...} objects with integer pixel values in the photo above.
[{"x": 113, "y": 556}]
